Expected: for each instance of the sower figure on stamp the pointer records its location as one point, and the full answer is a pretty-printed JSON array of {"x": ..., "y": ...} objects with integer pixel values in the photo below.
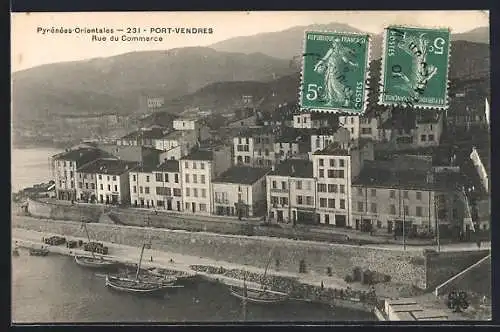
[
  {"x": 421, "y": 71},
  {"x": 334, "y": 89}
]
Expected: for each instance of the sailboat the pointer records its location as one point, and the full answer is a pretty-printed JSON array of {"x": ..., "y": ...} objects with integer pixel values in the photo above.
[
  {"x": 140, "y": 285},
  {"x": 260, "y": 295},
  {"x": 93, "y": 261}
]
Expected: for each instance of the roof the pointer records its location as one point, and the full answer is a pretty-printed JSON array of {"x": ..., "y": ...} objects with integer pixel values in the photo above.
[
  {"x": 127, "y": 152},
  {"x": 199, "y": 155},
  {"x": 168, "y": 166},
  {"x": 255, "y": 131},
  {"x": 428, "y": 116},
  {"x": 81, "y": 155},
  {"x": 389, "y": 175},
  {"x": 333, "y": 150},
  {"x": 153, "y": 133},
  {"x": 108, "y": 166},
  {"x": 292, "y": 135},
  {"x": 242, "y": 175},
  {"x": 400, "y": 119},
  {"x": 297, "y": 168}
]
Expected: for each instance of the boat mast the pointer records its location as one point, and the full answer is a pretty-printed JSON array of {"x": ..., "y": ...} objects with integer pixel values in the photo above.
[
  {"x": 245, "y": 294},
  {"x": 267, "y": 266},
  {"x": 142, "y": 253},
  {"x": 84, "y": 225}
]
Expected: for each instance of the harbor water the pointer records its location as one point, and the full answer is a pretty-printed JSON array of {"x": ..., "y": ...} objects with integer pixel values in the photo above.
[
  {"x": 30, "y": 166},
  {"x": 54, "y": 289}
]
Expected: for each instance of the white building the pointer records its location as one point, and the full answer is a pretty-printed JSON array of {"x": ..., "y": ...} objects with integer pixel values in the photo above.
[
  {"x": 157, "y": 187},
  {"x": 202, "y": 132},
  {"x": 368, "y": 128},
  {"x": 255, "y": 147},
  {"x": 334, "y": 168},
  {"x": 322, "y": 138},
  {"x": 197, "y": 171},
  {"x": 351, "y": 123},
  {"x": 65, "y": 167},
  {"x": 112, "y": 179},
  {"x": 428, "y": 129},
  {"x": 176, "y": 144},
  {"x": 240, "y": 191},
  {"x": 291, "y": 193}
]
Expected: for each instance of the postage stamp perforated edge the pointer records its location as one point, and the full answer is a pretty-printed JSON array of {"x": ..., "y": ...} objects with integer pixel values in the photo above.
[
  {"x": 381, "y": 86},
  {"x": 367, "y": 76}
]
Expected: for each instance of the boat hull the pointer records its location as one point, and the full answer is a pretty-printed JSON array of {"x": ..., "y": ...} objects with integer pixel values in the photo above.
[
  {"x": 38, "y": 252},
  {"x": 140, "y": 287},
  {"x": 259, "y": 296},
  {"x": 94, "y": 263}
]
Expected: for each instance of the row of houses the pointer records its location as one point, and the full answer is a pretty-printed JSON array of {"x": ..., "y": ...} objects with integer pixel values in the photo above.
[{"x": 339, "y": 186}]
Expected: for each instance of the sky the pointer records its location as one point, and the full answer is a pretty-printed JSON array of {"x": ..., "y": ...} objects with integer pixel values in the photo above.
[{"x": 30, "y": 48}]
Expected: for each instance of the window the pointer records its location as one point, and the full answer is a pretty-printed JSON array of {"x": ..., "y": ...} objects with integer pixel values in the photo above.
[
  {"x": 203, "y": 193},
  {"x": 187, "y": 178},
  {"x": 327, "y": 219},
  {"x": 166, "y": 177},
  {"x": 274, "y": 184},
  {"x": 374, "y": 207},
  {"x": 109, "y": 187},
  {"x": 176, "y": 178},
  {"x": 133, "y": 177},
  {"x": 114, "y": 177},
  {"x": 360, "y": 206},
  {"x": 202, "y": 180},
  {"x": 419, "y": 195},
  {"x": 321, "y": 187},
  {"x": 392, "y": 209},
  {"x": 309, "y": 200},
  {"x": 331, "y": 203},
  {"x": 194, "y": 165},
  {"x": 392, "y": 194},
  {"x": 342, "y": 189},
  {"x": 423, "y": 138},
  {"x": 101, "y": 186},
  {"x": 332, "y": 162},
  {"x": 379, "y": 224},
  {"x": 431, "y": 138},
  {"x": 247, "y": 160},
  {"x": 86, "y": 186},
  {"x": 321, "y": 173},
  {"x": 159, "y": 203},
  {"x": 405, "y": 194},
  {"x": 188, "y": 192},
  {"x": 360, "y": 191},
  {"x": 135, "y": 189},
  {"x": 322, "y": 202},
  {"x": 186, "y": 164},
  {"x": 187, "y": 206},
  {"x": 177, "y": 192},
  {"x": 92, "y": 186},
  {"x": 341, "y": 163},
  {"x": 342, "y": 203},
  {"x": 321, "y": 162},
  {"x": 203, "y": 207},
  {"x": 309, "y": 185},
  {"x": 140, "y": 189},
  {"x": 146, "y": 190},
  {"x": 274, "y": 200},
  {"x": 374, "y": 192},
  {"x": 202, "y": 165},
  {"x": 284, "y": 200},
  {"x": 407, "y": 210},
  {"x": 332, "y": 188},
  {"x": 266, "y": 152},
  {"x": 298, "y": 185},
  {"x": 195, "y": 192},
  {"x": 195, "y": 178},
  {"x": 418, "y": 211},
  {"x": 80, "y": 185},
  {"x": 283, "y": 185},
  {"x": 299, "y": 200},
  {"x": 159, "y": 177},
  {"x": 116, "y": 187},
  {"x": 100, "y": 177}
]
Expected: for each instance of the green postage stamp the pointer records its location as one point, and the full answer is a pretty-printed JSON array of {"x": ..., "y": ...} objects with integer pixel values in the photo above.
[
  {"x": 415, "y": 64},
  {"x": 335, "y": 72}
]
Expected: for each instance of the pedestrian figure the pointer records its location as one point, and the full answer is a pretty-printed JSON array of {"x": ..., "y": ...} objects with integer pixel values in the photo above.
[
  {"x": 151, "y": 258},
  {"x": 322, "y": 285}
]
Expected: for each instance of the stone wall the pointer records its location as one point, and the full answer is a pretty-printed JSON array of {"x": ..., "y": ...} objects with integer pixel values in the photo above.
[
  {"x": 404, "y": 267},
  {"x": 64, "y": 212},
  {"x": 444, "y": 265}
]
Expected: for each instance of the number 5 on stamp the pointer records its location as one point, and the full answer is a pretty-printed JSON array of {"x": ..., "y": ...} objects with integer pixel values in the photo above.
[
  {"x": 415, "y": 64},
  {"x": 335, "y": 72}
]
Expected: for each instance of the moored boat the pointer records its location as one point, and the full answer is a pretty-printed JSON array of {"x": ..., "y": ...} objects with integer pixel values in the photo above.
[
  {"x": 261, "y": 296},
  {"x": 39, "y": 252},
  {"x": 138, "y": 286},
  {"x": 95, "y": 262}
]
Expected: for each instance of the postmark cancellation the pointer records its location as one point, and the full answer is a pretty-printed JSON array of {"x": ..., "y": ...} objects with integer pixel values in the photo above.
[
  {"x": 415, "y": 66},
  {"x": 335, "y": 72}
]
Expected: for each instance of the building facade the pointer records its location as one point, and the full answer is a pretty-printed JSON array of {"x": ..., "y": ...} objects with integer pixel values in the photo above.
[{"x": 240, "y": 191}]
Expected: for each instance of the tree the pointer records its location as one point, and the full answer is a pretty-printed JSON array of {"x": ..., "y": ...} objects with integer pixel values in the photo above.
[{"x": 457, "y": 301}]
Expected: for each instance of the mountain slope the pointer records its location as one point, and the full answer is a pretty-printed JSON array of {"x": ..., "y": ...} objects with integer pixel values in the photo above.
[
  {"x": 114, "y": 84},
  {"x": 288, "y": 44}
]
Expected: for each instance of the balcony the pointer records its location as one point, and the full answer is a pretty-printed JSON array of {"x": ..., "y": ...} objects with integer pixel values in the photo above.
[
  {"x": 222, "y": 201},
  {"x": 276, "y": 190}
]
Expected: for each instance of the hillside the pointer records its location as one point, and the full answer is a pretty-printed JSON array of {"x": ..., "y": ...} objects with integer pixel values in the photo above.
[
  {"x": 287, "y": 44},
  {"x": 114, "y": 84}
]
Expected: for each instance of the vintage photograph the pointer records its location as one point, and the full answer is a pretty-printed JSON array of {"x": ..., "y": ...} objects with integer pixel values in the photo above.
[{"x": 217, "y": 167}]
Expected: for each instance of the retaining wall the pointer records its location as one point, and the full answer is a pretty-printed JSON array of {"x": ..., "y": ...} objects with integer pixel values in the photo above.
[
  {"x": 64, "y": 212},
  {"x": 444, "y": 265},
  {"x": 404, "y": 267}
]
